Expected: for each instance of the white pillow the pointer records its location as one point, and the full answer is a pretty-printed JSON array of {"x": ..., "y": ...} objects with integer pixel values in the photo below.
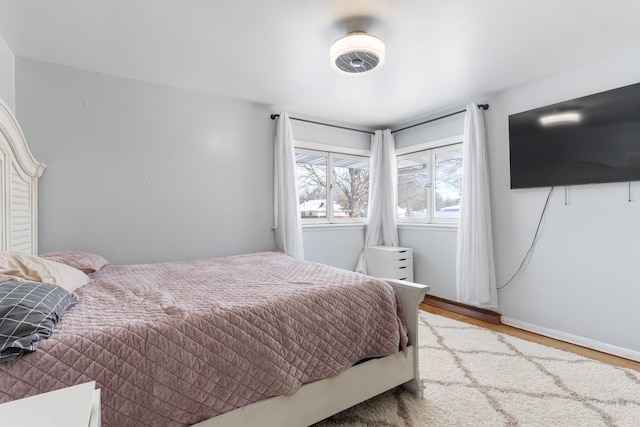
[{"x": 30, "y": 268}]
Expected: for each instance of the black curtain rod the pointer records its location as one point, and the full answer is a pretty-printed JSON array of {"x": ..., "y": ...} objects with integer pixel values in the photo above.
[
  {"x": 482, "y": 106},
  {"x": 275, "y": 116}
]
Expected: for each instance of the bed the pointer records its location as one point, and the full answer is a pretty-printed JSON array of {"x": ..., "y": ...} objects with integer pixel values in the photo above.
[{"x": 256, "y": 339}]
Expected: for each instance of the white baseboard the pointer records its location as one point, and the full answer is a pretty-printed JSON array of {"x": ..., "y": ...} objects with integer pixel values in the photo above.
[{"x": 573, "y": 339}]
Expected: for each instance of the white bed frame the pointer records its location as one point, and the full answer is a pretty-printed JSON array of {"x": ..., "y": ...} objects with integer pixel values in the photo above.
[{"x": 19, "y": 173}]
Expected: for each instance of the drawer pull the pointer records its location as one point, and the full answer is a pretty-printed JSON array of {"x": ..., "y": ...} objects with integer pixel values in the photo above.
[
  {"x": 403, "y": 278},
  {"x": 402, "y": 267},
  {"x": 402, "y": 252},
  {"x": 402, "y": 259}
]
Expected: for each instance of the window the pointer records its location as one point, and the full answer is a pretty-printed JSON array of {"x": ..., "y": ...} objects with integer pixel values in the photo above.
[
  {"x": 430, "y": 185},
  {"x": 414, "y": 182},
  {"x": 341, "y": 178}
]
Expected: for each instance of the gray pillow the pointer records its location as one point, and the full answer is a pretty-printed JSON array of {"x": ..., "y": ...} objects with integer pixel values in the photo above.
[{"x": 28, "y": 314}]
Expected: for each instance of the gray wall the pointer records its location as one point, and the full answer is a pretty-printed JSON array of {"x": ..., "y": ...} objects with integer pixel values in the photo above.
[
  {"x": 142, "y": 173},
  {"x": 442, "y": 128},
  {"x": 305, "y": 131},
  {"x": 434, "y": 257},
  {"x": 7, "y": 75},
  {"x": 336, "y": 246},
  {"x": 583, "y": 276}
]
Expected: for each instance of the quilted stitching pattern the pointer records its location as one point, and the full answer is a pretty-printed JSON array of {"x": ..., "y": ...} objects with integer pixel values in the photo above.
[{"x": 173, "y": 344}]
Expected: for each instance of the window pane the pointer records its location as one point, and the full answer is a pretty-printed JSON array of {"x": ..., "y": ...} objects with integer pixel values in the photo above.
[
  {"x": 448, "y": 174},
  {"x": 351, "y": 187},
  {"x": 413, "y": 186},
  {"x": 312, "y": 185}
]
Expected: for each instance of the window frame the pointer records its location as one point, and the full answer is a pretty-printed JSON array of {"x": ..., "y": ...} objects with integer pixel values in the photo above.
[
  {"x": 430, "y": 149},
  {"x": 329, "y": 205},
  {"x": 330, "y": 151},
  {"x": 427, "y": 219},
  {"x": 434, "y": 153}
]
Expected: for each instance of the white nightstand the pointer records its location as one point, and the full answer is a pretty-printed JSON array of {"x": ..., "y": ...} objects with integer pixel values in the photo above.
[
  {"x": 77, "y": 406},
  {"x": 389, "y": 262}
]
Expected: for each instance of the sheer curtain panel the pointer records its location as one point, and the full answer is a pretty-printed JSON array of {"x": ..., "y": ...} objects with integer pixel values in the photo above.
[
  {"x": 383, "y": 188},
  {"x": 475, "y": 270},
  {"x": 288, "y": 227}
]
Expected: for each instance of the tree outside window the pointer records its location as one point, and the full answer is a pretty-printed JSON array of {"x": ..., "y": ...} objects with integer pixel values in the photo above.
[
  {"x": 343, "y": 179},
  {"x": 448, "y": 183},
  {"x": 430, "y": 185}
]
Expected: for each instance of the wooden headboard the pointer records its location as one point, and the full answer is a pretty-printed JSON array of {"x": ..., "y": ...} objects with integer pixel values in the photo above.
[{"x": 19, "y": 173}]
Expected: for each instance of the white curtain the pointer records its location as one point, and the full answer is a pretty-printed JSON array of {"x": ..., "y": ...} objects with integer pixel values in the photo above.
[
  {"x": 288, "y": 227},
  {"x": 383, "y": 195},
  {"x": 475, "y": 270}
]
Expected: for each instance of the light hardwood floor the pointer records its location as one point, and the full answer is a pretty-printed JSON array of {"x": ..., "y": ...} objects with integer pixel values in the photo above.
[{"x": 530, "y": 336}]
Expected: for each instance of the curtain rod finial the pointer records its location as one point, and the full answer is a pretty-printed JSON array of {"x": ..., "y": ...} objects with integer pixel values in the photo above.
[
  {"x": 484, "y": 106},
  {"x": 274, "y": 116}
]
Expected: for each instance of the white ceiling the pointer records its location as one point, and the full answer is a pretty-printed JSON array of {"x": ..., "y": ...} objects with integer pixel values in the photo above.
[{"x": 440, "y": 54}]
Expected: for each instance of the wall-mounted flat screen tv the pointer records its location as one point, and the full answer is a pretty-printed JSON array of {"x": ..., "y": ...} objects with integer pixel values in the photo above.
[{"x": 593, "y": 139}]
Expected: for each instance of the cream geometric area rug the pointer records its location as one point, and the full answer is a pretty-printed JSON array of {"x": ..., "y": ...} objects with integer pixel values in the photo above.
[{"x": 477, "y": 377}]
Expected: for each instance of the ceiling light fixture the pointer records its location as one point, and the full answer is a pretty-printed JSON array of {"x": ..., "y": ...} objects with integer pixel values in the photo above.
[
  {"x": 560, "y": 118},
  {"x": 357, "y": 52}
]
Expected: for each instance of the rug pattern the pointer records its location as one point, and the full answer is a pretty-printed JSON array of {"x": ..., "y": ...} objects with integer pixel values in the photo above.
[{"x": 477, "y": 377}]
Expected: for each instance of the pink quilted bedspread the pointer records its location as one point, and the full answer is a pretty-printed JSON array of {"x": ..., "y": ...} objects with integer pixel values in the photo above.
[{"x": 173, "y": 344}]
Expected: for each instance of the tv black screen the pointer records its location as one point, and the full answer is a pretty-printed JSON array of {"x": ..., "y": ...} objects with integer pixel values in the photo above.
[{"x": 593, "y": 139}]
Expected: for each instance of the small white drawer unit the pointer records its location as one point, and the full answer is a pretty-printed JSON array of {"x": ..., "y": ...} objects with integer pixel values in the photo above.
[{"x": 391, "y": 262}]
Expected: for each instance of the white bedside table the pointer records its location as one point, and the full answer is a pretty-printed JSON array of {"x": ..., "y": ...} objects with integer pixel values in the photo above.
[
  {"x": 389, "y": 262},
  {"x": 76, "y": 406}
]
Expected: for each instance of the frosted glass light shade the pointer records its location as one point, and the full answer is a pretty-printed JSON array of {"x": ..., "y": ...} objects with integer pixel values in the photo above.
[{"x": 357, "y": 53}]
